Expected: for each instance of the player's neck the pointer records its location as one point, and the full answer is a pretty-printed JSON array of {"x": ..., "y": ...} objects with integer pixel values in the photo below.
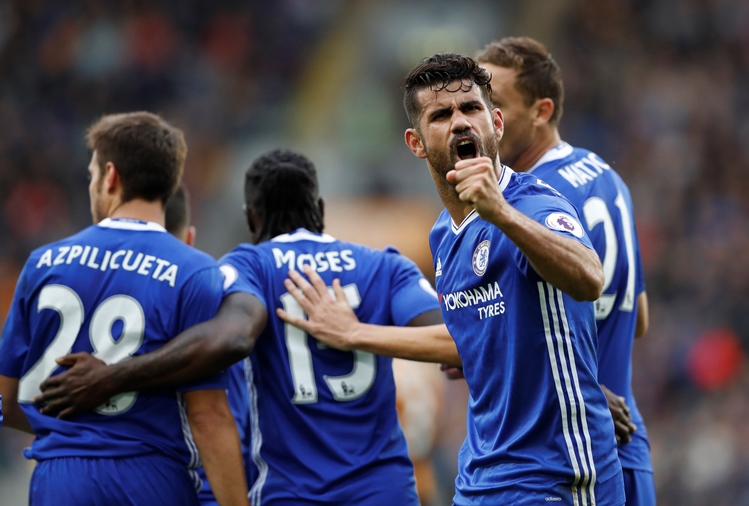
[
  {"x": 139, "y": 209},
  {"x": 543, "y": 143}
]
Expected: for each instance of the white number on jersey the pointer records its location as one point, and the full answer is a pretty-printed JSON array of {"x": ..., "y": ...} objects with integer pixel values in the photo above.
[
  {"x": 596, "y": 212},
  {"x": 68, "y": 305},
  {"x": 344, "y": 388}
]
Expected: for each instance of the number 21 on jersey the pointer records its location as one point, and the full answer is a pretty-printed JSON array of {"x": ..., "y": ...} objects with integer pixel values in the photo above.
[
  {"x": 344, "y": 388},
  {"x": 596, "y": 211}
]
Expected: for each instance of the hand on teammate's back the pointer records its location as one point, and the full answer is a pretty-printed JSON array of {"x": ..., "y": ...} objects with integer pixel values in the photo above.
[
  {"x": 321, "y": 308},
  {"x": 80, "y": 389}
]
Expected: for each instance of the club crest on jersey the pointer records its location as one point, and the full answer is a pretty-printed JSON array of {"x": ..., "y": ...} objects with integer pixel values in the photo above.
[
  {"x": 481, "y": 258},
  {"x": 565, "y": 223}
]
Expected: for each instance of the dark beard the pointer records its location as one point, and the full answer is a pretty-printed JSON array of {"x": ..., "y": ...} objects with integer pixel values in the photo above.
[{"x": 443, "y": 161}]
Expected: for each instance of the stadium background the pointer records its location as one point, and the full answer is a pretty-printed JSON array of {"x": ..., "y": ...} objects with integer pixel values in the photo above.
[{"x": 659, "y": 89}]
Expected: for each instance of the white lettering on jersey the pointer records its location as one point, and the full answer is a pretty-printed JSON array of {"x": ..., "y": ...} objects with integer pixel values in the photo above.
[
  {"x": 579, "y": 173},
  {"x": 438, "y": 269},
  {"x": 142, "y": 264},
  {"x": 46, "y": 259},
  {"x": 476, "y": 296},
  {"x": 334, "y": 261}
]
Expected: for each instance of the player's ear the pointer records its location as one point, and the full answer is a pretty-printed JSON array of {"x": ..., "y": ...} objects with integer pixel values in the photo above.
[
  {"x": 190, "y": 236},
  {"x": 499, "y": 122},
  {"x": 414, "y": 143},
  {"x": 111, "y": 177},
  {"x": 544, "y": 108}
]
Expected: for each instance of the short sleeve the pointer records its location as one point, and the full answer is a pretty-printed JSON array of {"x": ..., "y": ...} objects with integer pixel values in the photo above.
[
  {"x": 14, "y": 344},
  {"x": 241, "y": 270},
  {"x": 553, "y": 211},
  {"x": 201, "y": 298},
  {"x": 410, "y": 292}
]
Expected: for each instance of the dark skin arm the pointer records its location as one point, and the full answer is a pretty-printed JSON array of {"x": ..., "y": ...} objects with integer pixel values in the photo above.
[{"x": 200, "y": 351}]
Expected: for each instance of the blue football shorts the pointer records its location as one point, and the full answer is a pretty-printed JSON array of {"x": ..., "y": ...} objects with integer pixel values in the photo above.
[{"x": 154, "y": 480}]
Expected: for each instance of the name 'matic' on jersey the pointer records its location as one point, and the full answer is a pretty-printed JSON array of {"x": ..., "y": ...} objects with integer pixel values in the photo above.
[
  {"x": 116, "y": 289},
  {"x": 539, "y": 429},
  {"x": 323, "y": 421},
  {"x": 605, "y": 207}
]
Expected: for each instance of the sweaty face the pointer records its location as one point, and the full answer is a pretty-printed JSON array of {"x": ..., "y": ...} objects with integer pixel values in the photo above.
[
  {"x": 95, "y": 192},
  {"x": 519, "y": 130},
  {"x": 456, "y": 124}
]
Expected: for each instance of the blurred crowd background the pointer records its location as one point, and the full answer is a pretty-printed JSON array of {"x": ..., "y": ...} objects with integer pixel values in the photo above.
[{"x": 660, "y": 89}]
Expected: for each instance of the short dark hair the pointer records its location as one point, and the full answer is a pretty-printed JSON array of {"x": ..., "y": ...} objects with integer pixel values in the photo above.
[
  {"x": 281, "y": 187},
  {"x": 177, "y": 212},
  {"x": 148, "y": 152},
  {"x": 436, "y": 73},
  {"x": 538, "y": 75}
]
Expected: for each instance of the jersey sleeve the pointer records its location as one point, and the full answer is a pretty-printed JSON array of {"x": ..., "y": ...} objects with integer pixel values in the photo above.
[
  {"x": 549, "y": 208},
  {"x": 201, "y": 297},
  {"x": 15, "y": 341},
  {"x": 410, "y": 292},
  {"x": 241, "y": 269}
]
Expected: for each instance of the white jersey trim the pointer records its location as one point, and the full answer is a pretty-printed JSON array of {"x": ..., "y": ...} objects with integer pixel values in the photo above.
[
  {"x": 256, "y": 491},
  {"x": 190, "y": 443},
  {"x": 303, "y": 235},
  {"x": 504, "y": 180},
  {"x": 561, "y": 150},
  {"x": 131, "y": 225},
  {"x": 583, "y": 486}
]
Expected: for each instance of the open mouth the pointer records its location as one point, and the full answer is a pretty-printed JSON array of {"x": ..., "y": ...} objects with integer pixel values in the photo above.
[{"x": 466, "y": 149}]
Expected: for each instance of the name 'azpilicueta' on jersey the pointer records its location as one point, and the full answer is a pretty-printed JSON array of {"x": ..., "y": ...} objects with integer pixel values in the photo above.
[
  {"x": 474, "y": 296},
  {"x": 578, "y": 173},
  {"x": 145, "y": 265}
]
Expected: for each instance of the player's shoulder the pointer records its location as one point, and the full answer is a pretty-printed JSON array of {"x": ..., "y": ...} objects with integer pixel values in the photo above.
[
  {"x": 52, "y": 248},
  {"x": 573, "y": 168}
]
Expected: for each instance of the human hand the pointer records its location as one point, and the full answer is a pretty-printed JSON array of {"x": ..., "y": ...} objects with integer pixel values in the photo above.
[
  {"x": 330, "y": 320},
  {"x": 83, "y": 387},
  {"x": 475, "y": 180},
  {"x": 452, "y": 372},
  {"x": 623, "y": 426}
]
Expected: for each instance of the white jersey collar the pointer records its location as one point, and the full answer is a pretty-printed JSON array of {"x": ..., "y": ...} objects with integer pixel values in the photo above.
[
  {"x": 131, "y": 224},
  {"x": 561, "y": 150},
  {"x": 302, "y": 234}
]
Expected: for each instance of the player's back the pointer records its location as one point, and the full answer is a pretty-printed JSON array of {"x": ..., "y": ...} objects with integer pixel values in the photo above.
[
  {"x": 605, "y": 206},
  {"x": 116, "y": 289},
  {"x": 324, "y": 424}
]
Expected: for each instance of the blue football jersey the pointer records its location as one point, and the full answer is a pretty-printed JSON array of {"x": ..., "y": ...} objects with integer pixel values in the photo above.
[
  {"x": 323, "y": 421},
  {"x": 116, "y": 289},
  {"x": 539, "y": 428},
  {"x": 605, "y": 206}
]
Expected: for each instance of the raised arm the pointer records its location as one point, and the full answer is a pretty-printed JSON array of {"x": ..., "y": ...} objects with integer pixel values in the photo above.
[
  {"x": 199, "y": 351},
  {"x": 562, "y": 261},
  {"x": 332, "y": 321},
  {"x": 215, "y": 432}
]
